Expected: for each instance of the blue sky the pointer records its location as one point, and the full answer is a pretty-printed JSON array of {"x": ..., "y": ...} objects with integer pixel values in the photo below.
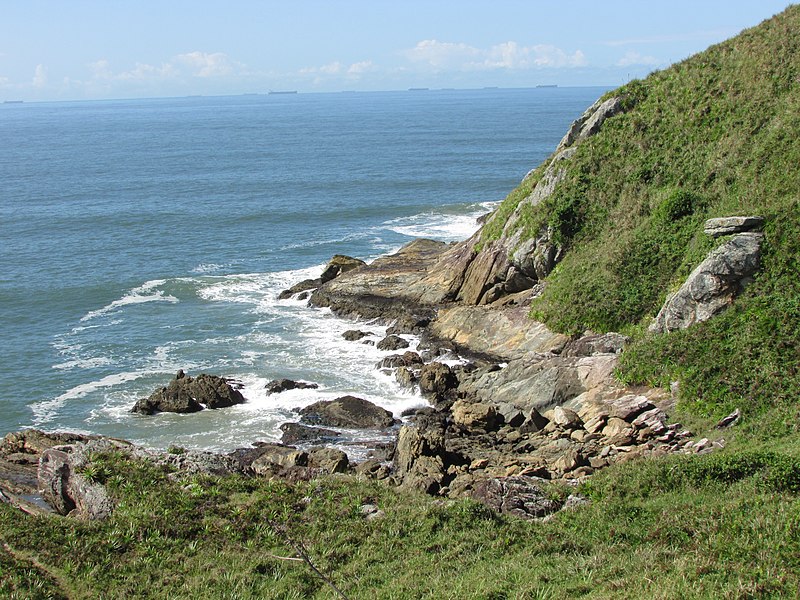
[{"x": 91, "y": 49}]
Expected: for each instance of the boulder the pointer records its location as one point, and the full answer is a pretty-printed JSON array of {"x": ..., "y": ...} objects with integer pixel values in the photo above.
[
  {"x": 713, "y": 285},
  {"x": 394, "y": 361},
  {"x": 519, "y": 495},
  {"x": 593, "y": 343},
  {"x": 347, "y": 411},
  {"x": 730, "y": 225},
  {"x": 419, "y": 458},
  {"x": 275, "y": 458},
  {"x": 437, "y": 379},
  {"x": 353, "y": 335},
  {"x": 392, "y": 342},
  {"x": 276, "y": 386},
  {"x": 296, "y": 432},
  {"x": 340, "y": 264},
  {"x": 329, "y": 460},
  {"x": 301, "y": 287},
  {"x": 186, "y": 394},
  {"x": 566, "y": 418},
  {"x": 476, "y": 415}
]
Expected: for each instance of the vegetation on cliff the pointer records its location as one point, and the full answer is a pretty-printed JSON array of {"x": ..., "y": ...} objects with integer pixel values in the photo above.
[{"x": 716, "y": 135}]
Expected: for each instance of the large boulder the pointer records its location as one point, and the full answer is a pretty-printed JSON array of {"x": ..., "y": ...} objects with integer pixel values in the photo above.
[
  {"x": 392, "y": 342},
  {"x": 713, "y": 285},
  {"x": 186, "y": 394},
  {"x": 347, "y": 411},
  {"x": 730, "y": 225}
]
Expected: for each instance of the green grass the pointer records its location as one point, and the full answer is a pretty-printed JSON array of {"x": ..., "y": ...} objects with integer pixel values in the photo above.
[{"x": 724, "y": 525}]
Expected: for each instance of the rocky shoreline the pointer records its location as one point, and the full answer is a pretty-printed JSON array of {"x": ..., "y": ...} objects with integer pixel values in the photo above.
[{"x": 512, "y": 404}]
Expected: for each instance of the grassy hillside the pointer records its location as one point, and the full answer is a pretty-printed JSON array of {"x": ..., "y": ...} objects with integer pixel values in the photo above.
[
  {"x": 708, "y": 527},
  {"x": 716, "y": 135}
]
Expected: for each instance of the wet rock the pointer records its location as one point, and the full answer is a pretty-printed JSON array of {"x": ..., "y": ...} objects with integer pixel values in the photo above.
[
  {"x": 186, "y": 394},
  {"x": 301, "y": 287},
  {"x": 347, "y": 411},
  {"x": 276, "y": 386},
  {"x": 394, "y": 361},
  {"x": 392, "y": 342},
  {"x": 353, "y": 335},
  {"x": 339, "y": 264},
  {"x": 296, "y": 432}
]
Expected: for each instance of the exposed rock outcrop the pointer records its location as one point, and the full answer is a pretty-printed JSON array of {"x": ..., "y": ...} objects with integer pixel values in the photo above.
[
  {"x": 713, "y": 285},
  {"x": 730, "y": 225},
  {"x": 277, "y": 386},
  {"x": 186, "y": 394},
  {"x": 349, "y": 412}
]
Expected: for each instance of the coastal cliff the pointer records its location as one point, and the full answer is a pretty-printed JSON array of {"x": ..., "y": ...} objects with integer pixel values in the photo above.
[{"x": 611, "y": 363}]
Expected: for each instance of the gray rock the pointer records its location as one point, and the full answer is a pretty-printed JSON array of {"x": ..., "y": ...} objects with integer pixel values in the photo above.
[
  {"x": 186, "y": 394},
  {"x": 353, "y": 335},
  {"x": 296, "y": 432},
  {"x": 713, "y": 285},
  {"x": 276, "y": 386},
  {"x": 394, "y": 361},
  {"x": 730, "y": 225},
  {"x": 67, "y": 490},
  {"x": 392, "y": 342},
  {"x": 347, "y": 411},
  {"x": 419, "y": 458},
  {"x": 519, "y": 495},
  {"x": 340, "y": 264}
]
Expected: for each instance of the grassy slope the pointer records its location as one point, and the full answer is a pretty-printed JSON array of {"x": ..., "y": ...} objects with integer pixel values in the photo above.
[
  {"x": 713, "y": 527},
  {"x": 715, "y": 135}
]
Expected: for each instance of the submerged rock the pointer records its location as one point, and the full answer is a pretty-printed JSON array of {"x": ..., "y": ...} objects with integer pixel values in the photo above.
[{"x": 276, "y": 386}]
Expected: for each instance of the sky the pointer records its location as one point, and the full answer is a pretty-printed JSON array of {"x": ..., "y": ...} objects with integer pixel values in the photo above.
[{"x": 102, "y": 49}]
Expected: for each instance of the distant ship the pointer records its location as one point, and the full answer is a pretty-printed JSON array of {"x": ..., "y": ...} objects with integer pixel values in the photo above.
[
  {"x": 12, "y": 101},
  {"x": 276, "y": 92},
  {"x": 547, "y": 85},
  {"x": 418, "y": 89}
]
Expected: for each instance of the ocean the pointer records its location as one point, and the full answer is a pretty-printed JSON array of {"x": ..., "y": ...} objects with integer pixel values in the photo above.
[{"x": 140, "y": 237}]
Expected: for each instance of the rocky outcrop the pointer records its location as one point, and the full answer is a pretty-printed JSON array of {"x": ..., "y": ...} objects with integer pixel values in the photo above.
[
  {"x": 713, "y": 285},
  {"x": 296, "y": 432},
  {"x": 276, "y": 386},
  {"x": 520, "y": 496},
  {"x": 420, "y": 455},
  {"x": 338, "y": 264},
  {"x": 392, "y": 342},
  {"x": 186, "y": 394},
  {"x": 66, "y": 484},
  {"x": 730, "y": 225},
  {"x": 349, "y": 412}
]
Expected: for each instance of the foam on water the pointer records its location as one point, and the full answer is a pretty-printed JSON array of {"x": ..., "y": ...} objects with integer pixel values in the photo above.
[{"x": 146, "y": 292}]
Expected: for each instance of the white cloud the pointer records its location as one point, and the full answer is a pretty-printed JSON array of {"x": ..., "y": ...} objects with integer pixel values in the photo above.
[
  {"x": 203, "y": 64},
  {"x": 40, "y": 76},
  {"x": 508, "y": 55},
  {"x": 632, "y": 58},
  {"x": 359, "y": 68}
]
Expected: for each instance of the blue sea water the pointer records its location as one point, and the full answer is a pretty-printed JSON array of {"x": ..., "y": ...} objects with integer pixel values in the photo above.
[{"x": 145, "y": 236}]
